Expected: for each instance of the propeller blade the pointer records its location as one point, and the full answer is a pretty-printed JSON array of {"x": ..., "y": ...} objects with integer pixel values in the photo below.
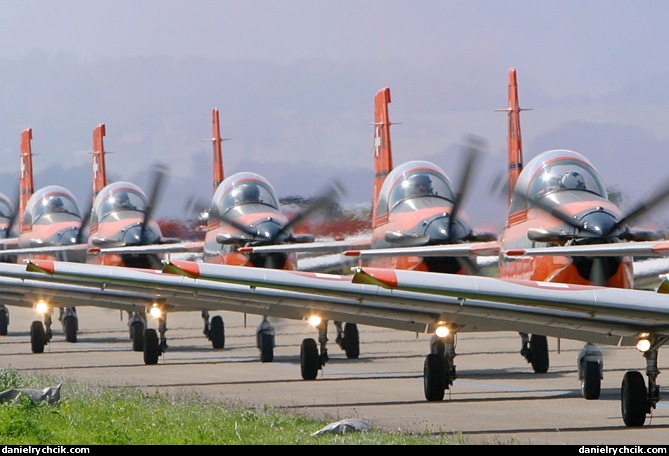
[
  {"x": 330, "y": 195},
  {"x": 474, "y": 147},
  {"x": 15, "y": 214},
  {"x": 644, "y": 206},
  {"x": 85, "y": 221},
  {"x": 160, "y": 172}
]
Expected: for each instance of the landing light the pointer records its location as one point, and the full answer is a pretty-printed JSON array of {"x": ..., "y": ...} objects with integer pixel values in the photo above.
[
  {"x": 643, "y": 342},
  {"x": 442, "y": 330},
  {"x": 314, "y": 320},
  {"x": 155, "y": 311},
  {"x": 41, "y": 307}
]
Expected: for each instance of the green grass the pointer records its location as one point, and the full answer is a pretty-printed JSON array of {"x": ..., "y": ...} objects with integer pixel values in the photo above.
[{"x": 93, "y": 415}]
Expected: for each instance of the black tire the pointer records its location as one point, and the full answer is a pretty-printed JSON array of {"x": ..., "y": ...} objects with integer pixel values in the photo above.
[
  {"x": 151, "y": 347},
  {"x": 267, "y": 347},
  {"x": 70, "y": 326},
  {"x": 217, "y": 332},
  {"x": 309, "y": 360},
  {"x": 539, "y": 348},
  {"x": 633, "y": 395},
  {"x": 37, "y": 337},
  {"x": 137, "y": 336},
  {"x": 591, "y": 383},
  {"x": 351, "y": 341},
  {"x": 4, "y": 321},
  {"x": 434, "y": 377}
]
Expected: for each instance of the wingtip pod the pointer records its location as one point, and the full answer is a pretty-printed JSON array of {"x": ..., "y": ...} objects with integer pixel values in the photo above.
[
  {"x": 45, "y": 266},
  {"x": 375, "y": 276},
  {"x": 182, "y": 267}
]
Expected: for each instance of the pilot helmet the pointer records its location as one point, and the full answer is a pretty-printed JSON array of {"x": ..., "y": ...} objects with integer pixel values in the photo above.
[
  {"x": 55, "y": 203},
  {"x": 420, "y": 184},
  {"x": 572, "y": 179},
  {"x": 249, "y": 192}
]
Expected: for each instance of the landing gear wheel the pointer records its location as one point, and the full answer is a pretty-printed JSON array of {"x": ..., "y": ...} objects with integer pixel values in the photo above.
[
  {"x": 37, "y": 337},
  {"x": 434, "y": 377},
  {"x": 539, "y": 347},
  {"x": 217, "y": 332},
  {"x": 151, "y": 347},
  {"x": 591, "y": 383},
  {"x": 70, "y": 327},
  {"x": 4, "y": 321},
  {"x": 309, "y": 359},
  {"x": 266, "y": 347},
  {"x": 351, "y": 341},
  {"x": 137, "y": 336},
  {"x": 633, "y": 399}
]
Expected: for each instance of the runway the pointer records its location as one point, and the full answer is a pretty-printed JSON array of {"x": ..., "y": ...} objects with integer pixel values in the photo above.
[{"x": 497, "y": 398}]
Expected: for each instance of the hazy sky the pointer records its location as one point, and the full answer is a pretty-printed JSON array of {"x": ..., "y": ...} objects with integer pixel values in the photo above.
[{"x": 295, "y": 82}]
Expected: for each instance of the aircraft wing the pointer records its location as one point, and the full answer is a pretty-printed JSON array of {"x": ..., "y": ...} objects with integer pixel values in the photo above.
[
  {"x": 24, "y": 292},
  {"x": 579, "y": 313},
  {"x": 318, "y": 247},
  {"x": 174, "y": 247},
  {"x": 454, "y": 250},
  {"x": 644, "y": 248}
]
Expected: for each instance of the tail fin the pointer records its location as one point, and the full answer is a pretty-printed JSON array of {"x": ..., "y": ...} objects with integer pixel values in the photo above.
[
  {"x": 515, "y": 146},
  {"x": 218, "y": 155},
  {"x": 99, "y": 168},
  {"x": 514, "y": 139},
  {"x": 383, "y": 158},
  {"x": 26, "y": 179}
]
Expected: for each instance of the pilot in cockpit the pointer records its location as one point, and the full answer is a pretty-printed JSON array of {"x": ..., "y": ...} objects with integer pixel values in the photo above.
[
  {"x": 248, "y": 193},
  {"x": 419, "y": 185},
  {"x": 55, "y": 204},
  {"x": 122, "y": 202},
  {"x": 572, "y": 180}
]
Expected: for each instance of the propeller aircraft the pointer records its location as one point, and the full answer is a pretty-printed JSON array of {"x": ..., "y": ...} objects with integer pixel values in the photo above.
[
  {"x": 47, "y": 218},
  {"x": 245, "y": 215}
]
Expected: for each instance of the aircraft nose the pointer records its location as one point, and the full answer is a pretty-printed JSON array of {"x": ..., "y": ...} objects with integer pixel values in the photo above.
[
  {"x": 600, "y": 224},
  {"x": 437, "y": 231},
  {"x": 68, "y": 236},
  {"x": 268, "y": 230},
  {"x": 133, "y": 236}
]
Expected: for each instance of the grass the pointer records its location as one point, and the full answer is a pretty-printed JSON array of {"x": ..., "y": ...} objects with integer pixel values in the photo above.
[{"x": 94, "y": 415}]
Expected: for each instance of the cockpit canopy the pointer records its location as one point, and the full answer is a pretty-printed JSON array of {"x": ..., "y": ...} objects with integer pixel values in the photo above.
[
  {"x": 244, "y": 188},
  {"x": 49, "y": 200},
  {"x": 118, "y": 197},
  {"x": 556, "y": 171},
  {"x": 414, "y": 179}
]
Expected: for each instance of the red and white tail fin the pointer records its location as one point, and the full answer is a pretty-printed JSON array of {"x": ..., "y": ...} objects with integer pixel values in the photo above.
[
  {"x": 99, "y": 169},
  {"x": 383, "y": 158},
  {"x": 515, "y": 146},
  {"x": 218, "y": 154},
  {"x": 26, "y": 187}
]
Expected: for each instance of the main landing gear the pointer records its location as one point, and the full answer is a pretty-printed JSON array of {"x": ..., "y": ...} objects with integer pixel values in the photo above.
[
  {"x": 439, "y": 367},
  {"x": 4, "y": 320},
  {"x": 535, "y": 350},
  {"x": 637, "y": 401},
  {"x": 41, "y": 334},
  {"x": 311, "y": 360}
]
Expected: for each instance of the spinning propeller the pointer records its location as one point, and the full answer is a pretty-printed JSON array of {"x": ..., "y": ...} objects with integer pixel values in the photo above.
[
  {"x": 269, "y": 232},
  {"x": 597, "y": 226}
]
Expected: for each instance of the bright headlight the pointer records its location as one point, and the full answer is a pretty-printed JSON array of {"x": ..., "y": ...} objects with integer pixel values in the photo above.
[{"x": 41, "y": 307}]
